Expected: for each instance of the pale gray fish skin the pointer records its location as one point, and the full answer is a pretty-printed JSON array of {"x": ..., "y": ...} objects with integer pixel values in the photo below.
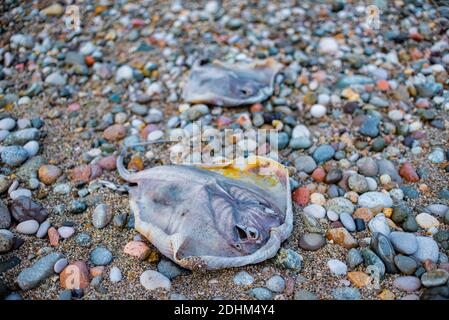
[
  {"x": 217, "y": 216},
  {"x": 231, "y": 85}
]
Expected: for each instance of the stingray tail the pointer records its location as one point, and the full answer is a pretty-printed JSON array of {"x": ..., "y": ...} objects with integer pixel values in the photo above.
[{"x": 123, "y": 172}]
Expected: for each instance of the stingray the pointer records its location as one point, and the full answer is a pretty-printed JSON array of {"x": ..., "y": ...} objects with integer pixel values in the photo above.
[
  {"x": 206, "y": 217},
  {"x": 231, "y": 85}
]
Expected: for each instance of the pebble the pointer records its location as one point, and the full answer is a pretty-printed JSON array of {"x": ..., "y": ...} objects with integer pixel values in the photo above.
[
  {"x": 170, "y": 269},
  {"x": 305, "y": 163},
  {"x": 436, "y": 156},
  {"x": 60, "y": 265},
  {"x": 302, "y": 294},
  {"x": 342, "y": 237},
  {"x": 137, "y": 249},
  {"x": 346, "y": 294},
  {"x": 318, "y": 111},
  {"x": 427, "y": 249},
  {"x": 6, "y": 240},
  {"x": 7, "y": 124},
  {"x": 375, "y": 199},
  {"x": 379, "y": 224},
  {"x": 28, "y": 227},
  {"x": 289, "y": 259},
  {"x": 337, "y": 267},
  {"x": 101, "y": 216},
  {"x": 20, "y": 193},
  {"x": 435, "y": 278},
  {"x": 323, "y": 153},
  {"x": 43, "y": 229},
  {"x": 243, "y": 278},
  {"x": 384, "y": 250},
  {"x": 32, "y": 148},
  {"x": 406, "y": 265},
  {"x": 347, "y": 221},
  {"x": 13, "y": 156},
  {"x": 407, "y": 283},
  {"x": 404, "y": 242},
  {"x": 354, "y": 258},
  {"x": 358, "y": 183},
  {"x": 315, "y": 210},
  {"x": 426, "y": 221},
  {"x": 261, "y": 294},
  {"x": 311, "y": 241},
  {"x": 115, "y": 275},
  {"x": 101, "y": 256},
  {"x": 48, "y": 174},
  {"x": 340, "y": 205},
  {"x": 152, "y": 280},
  {"x": 276, "y": 284},
  {"x": 66, "y": 232},
  {"x": 372, "y": 260},
  {"x": 75, "y": 276},
  {"x": 33, "y": 276}
]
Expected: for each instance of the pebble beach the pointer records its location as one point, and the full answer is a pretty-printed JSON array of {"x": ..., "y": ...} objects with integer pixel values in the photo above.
[{"x": 361, "y": 112}]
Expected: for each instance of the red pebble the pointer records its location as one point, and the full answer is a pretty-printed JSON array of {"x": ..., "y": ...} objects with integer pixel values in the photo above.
[
  {"x": 81, "y": 173},
  {"x": 319, "y": 174},
  {"x": 257, "y": 107},
  {"x": 74, "y": 107},
  {"x": 223, "y": 121},
  {"x": 408, "y": 173},
  {"x": 301, "y": 196},
  {"x": 108, "y": 163}
]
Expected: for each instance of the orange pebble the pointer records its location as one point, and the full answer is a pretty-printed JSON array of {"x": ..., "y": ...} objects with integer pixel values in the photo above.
[{"x": 383, "y": 85}]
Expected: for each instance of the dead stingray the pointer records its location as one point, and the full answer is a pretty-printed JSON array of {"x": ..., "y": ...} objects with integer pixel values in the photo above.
[
  {"x": 212, "y": 217},
  {"x": 231, "y": 85}
]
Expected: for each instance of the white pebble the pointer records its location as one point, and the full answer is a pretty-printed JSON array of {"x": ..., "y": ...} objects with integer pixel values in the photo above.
[
  {"x": 7, "y": 124},
  {"x": 332, "y": 215},
  {"x": 28, "y": 227},
  {"x": 152, "y": 280},
  {"x": 315, "y": 210},
  {"x": 66, "y": 232},
  {"x": 23, "y": 123},
  {"x": 328, "y": 45},
  {"x": 32, "y": 147},
  {"x": 318, "y": 110},
  {"x": 124, "y": 73},
  {"x": 337, "y": 267},
  {"x": 155, "y": 135},
  {"x": 115, "y": 275}
]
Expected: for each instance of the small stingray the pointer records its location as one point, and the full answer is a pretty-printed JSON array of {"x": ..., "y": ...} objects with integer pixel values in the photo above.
[
  {"x": 231, "y": 85},
  {"x": 212, "y": 217}
]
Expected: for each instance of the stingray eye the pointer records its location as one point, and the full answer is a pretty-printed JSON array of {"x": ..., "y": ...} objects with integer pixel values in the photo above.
[{"x": 241, "y": 233}]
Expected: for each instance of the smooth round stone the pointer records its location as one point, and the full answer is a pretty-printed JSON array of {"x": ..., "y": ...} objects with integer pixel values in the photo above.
[
  {"x": 359, "y": 224},
  {"x": 436, "y": 156},
  {"x": 66, "y": 232},
  {"x": 155, "y": 135},
  {"x": 7, "y": 124},
  {"x": 318, "y": 111},
  {"x": 358, "y": 183},
  {"x": 305, "y": 163},
  {"x": 340, "y": 205},
  {"x": 375, "y": 199},
  {"x": 300, "y": 143},
  {"x": 28, "y": 227},
  {"x": 354, "y": 258},
  {"x": 5, "y": 216},
  {"x": 101, "y": 216},
  {"x": 124, "y": 73},
  {"x": 3, "y": 134},
  {"x": 384, "y": 250},
  {"x": 261, "y": 293},
  {"x": 401, "y": 213},
  {"x": 13, "y": 156},
  {"x": 405, "y": 264},
  {"x": 332, "y": 215},
  {"x": 276, "y": 284},
  {"x": 427, "y": 249},
  {"x": 346, "y": 294},
  {"x": 435, "y": 278},
  {"x": 379, "y": 224},
  {"x": 170, "y": 269},
  {"x": 404, "y": 242},
  {"x": 347, "y": 221},
  {"x": 6, "y": 240},
  {"x": 60, "y": 265},
  {"x": 101, "y": 256},
  {"x": 300, "y": 131},
  {"x": 372, "y": 184},
  {"x": 438, "y": 210},
  {"x": 328, "y": 45},
  {"x": 20, "y": 193},
  {"x": 315, "y": 210},
  {"x": 152, "y": 280},
  {"x": 243, "y": 278},
  {"x": 367, "y": 166},
  {"x": 426, "y": 221},
  {"x": 311, "y": 241},
  {"x": 115, "y": 275},
  {"x": 83, "y": 239},
  {"x": 32, "y": 147},
  {"x": 337, "y": 267},
  {"x": 407, "y": 283},
  {"x": 323, "y": 153},
  {"x": 43, "y": 228}
]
